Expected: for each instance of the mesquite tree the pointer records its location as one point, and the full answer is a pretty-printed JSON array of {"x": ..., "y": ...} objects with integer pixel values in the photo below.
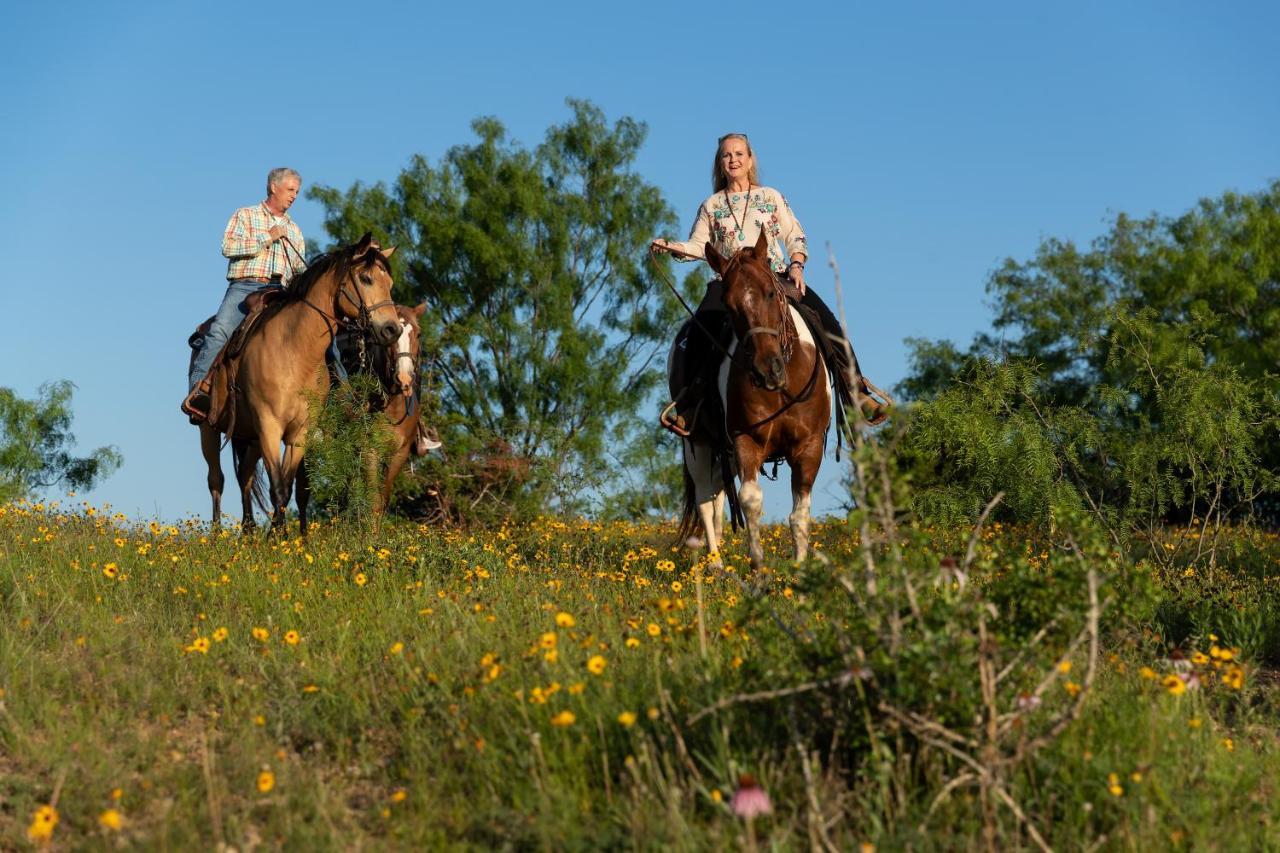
[{"x": 546, "y": 323}]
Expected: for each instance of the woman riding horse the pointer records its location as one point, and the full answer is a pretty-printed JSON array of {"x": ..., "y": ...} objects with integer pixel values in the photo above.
[{"x": 731, "y": 219}]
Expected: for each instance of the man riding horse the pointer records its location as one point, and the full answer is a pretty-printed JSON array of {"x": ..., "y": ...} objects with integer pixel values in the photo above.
[{"x": 264, "y": 248}]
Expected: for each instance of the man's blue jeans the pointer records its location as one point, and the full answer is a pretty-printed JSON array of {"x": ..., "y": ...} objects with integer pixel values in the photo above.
[{"x": 230, "y": 313}]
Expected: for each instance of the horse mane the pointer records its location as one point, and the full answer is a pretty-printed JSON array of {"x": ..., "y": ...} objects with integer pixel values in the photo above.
[{"x": 337, "y": 261}]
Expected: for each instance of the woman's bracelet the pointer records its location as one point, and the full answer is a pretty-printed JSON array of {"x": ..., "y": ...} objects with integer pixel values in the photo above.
[{"x": 796, "y": 264}]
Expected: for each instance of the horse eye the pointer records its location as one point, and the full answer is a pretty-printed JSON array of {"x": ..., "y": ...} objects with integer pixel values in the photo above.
[{"x": 365, "y": 278}]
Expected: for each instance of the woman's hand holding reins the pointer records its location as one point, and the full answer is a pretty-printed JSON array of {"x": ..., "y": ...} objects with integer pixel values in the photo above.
[{"x": 795, "y": 272}]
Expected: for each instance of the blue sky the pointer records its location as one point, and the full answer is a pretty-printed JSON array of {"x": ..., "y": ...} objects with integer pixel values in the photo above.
[{"x": 925, "y": 141}]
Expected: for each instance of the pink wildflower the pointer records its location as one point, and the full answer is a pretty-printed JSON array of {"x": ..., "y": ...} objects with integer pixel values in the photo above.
[{"x": 750, "y": 800}]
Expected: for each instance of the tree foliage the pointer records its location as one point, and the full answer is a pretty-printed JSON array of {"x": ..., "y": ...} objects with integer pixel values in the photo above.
[
  {"x": 1134, "y": 379},
  {"x": 547, "y": 323},
  {"x": 36, "y": 442}
]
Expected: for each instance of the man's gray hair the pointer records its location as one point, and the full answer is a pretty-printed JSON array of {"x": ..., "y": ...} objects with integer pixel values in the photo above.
[{"x": 275, "y": 176}]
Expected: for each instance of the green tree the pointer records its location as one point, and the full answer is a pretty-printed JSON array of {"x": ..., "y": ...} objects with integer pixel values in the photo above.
[
  {"x": 548, "y": 325},
  {"x": 1135, "y": 378},
  {"x": 35, "y": 442},
  {"x": 1217, "y": 266}
]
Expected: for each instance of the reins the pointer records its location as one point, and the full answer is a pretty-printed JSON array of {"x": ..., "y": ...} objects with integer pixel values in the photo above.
[{"x": 786, "y": 335}]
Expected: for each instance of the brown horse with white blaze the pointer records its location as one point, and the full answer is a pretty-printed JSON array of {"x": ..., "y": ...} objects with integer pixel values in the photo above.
[
  {"x": 776, "y": 401},
  {"x": 403, "y": 409},
  {"x": 269, "y": 381}
]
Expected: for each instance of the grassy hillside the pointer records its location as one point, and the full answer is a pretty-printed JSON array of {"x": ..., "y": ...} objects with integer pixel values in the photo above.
[{"x": 547, "y": 686}]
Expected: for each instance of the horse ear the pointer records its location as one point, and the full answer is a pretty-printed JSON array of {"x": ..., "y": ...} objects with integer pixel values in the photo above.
[
  {"x": 386, "y": 253},
  {"x": 419, "y": 309},
  {"x": 715, "y": 259},
  {"x": 762, "y": 244},
  {"x": 362, "y": 245}
]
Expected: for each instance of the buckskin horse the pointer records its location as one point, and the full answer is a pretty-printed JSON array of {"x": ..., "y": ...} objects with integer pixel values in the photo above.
[
  {"x": 776, "y": 401},
  {"x": 274, "y": 364}
]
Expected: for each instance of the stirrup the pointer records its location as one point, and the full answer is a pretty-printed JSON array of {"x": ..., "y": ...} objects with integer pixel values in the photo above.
[
  {"x": 671, "y": 420},
  {"x": 880, "y": 402},
  {"x": 194, "y": 414}
]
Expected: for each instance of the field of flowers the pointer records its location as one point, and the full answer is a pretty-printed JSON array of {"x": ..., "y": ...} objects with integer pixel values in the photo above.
[{"x": 576, "y": 684}]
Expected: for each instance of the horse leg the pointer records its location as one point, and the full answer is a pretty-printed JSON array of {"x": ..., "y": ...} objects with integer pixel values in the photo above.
[
  {"x": 210, "y": 448},
  {"x": 246, "y": 457},
  {"x": 699, "y": 461},
  {"x": 717, "y": 513},
  {"x": 394, "y": 464},
  {"x": 302, "y": 494},
  {"x": 279, "y": 487},
  {"x": 804, "y": 470},
  {"x": 282, "y": 489},
  {"x": 750, "y": 496}
]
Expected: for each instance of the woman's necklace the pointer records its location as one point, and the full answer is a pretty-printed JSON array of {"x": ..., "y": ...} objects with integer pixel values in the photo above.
[{"x": 746, "y": 208}]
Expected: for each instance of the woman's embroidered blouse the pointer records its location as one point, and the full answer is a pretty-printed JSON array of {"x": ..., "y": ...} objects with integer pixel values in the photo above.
[{"x": 734, "y": 220}]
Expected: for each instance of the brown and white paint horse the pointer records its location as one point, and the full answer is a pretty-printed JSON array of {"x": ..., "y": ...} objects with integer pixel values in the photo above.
[{"x": 776, "y": 401}]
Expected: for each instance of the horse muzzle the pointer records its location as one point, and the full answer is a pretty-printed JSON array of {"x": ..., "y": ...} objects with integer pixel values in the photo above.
[
  {"x": 387, "y": 333},
  {"x": 771, "y": 377}
]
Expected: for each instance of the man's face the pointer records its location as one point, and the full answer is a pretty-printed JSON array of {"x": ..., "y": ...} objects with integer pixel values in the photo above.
[{"x": 283, "y": 192}]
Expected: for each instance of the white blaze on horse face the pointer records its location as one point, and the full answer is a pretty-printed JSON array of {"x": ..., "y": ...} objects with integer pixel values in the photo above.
[{"x": 404, "y": 360}]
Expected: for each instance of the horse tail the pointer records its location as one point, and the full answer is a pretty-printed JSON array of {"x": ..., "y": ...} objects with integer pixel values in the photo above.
[{"x": 689, "y": 521}]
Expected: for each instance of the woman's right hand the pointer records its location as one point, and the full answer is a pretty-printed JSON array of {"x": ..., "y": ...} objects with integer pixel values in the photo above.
[{"x": 659, "y": 245}]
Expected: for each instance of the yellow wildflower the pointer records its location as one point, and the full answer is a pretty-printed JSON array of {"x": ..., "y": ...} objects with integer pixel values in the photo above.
[
  {"x": 219, "y": 635},
  {"x": 42, "y": 824},
  {"x": 627, "y": 719},
  {"x": 1148, "y": 673},
  {"x": 1234, "y": 677},
  {"x": 360, "y": 579},
  {"x": 596, "y": 665},
  {"x": 1071, "y": 687},
  {"x": 399, "y": 795},
  {"x": 1113, "y": 785},
  {"x": 110, "y": 570},
  {"x": 199, "y": 644},
  {"x": 111, "y": 819},
  {"x": 266, "y": 781},
  {"x": 632, "y": 642},
  {"x": 548, "y": 640},
  {"x": 292, "y": 638},
  {"x": 1175, "y": 685},
  {"x": 1064, "y": 667},
  {"x": 261, "y": 634},
  {"x": 654, "y": 629},
  {"x": 564, "y": 620},
  {"x": 564, "y": 719}
]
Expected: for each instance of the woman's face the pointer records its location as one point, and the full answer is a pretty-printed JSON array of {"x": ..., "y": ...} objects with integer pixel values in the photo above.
[{"x": 736, "y": 159}]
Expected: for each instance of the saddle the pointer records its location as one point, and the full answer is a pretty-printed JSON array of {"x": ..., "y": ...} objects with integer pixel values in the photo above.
[{"x": 219, "y": 383}]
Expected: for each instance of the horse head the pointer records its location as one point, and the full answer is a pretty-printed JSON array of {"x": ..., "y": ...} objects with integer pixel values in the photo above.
[
  {"x": 758, "y": 308},
  {"x": 407, "y": 347},
  {"x": 364, "y": 294}
]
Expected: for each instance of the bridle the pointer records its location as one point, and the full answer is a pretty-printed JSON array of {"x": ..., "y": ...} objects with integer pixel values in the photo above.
[{"x": 364, "y": 313}]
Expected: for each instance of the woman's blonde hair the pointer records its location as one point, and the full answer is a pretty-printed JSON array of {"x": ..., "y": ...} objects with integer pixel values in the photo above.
[{"x": 719, "y": 180}]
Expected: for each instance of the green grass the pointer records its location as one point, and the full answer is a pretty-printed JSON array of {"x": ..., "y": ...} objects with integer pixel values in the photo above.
[{"x": 420, "y": 707}]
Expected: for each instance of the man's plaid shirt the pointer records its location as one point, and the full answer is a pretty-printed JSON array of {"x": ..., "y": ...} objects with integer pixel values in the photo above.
[{"x": 251, "y": 252}]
